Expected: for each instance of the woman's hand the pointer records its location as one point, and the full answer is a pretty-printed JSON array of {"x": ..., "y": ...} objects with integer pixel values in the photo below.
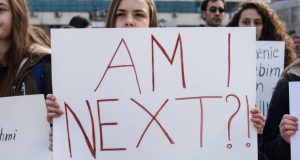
[
  {"x": 52, "y": 112},
  {"x": 288, "y": 127},
  {"x": 258, "y": 120},
  {"x": 53, "y": 109}
]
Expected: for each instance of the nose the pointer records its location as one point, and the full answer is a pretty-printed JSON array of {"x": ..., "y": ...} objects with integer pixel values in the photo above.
[
  {"x": 218, "y": 13},
  {"x": 129, "y": 21}
]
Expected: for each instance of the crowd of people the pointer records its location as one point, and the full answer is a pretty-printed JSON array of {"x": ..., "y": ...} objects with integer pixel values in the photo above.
[{"x": 25, "y": 62}]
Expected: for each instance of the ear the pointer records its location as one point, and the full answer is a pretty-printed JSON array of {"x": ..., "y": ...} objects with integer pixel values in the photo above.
[{"x": 203, "y": 15}]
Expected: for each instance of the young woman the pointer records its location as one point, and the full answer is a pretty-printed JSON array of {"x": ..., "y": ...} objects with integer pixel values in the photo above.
[
  {"x": 269, "y": 27},
  {"x": 279, "y": 125},
  {"x": 24, "y": 59},
  {"x": 132, "y": 13}
]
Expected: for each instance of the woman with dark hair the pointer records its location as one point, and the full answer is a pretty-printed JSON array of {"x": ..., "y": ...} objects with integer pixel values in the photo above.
[
  {"x": 79, "y": 22},
  {"x": 269, "y": 27},
  {"x": 22, "y": 53},
  {"x": 279, "y": 125}
]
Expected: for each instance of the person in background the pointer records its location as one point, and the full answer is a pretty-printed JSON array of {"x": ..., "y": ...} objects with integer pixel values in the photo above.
[
  {"x": 279, "y": 125},
  {"x": 79, "y": 22},
  {"x": 269, "y": 27},
  {"x": 132, "y": 13},
  {"x": 212, "y": 12},
  {"x": 296, "y": 40},
  {"x": 25, "y": 66}
]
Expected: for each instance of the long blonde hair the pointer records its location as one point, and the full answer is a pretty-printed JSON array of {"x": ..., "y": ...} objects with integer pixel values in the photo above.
[{"x": 20, "y": 41}]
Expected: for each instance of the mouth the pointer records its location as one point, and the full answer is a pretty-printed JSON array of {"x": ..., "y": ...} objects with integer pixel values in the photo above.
[{"x": 217, "y": 19}]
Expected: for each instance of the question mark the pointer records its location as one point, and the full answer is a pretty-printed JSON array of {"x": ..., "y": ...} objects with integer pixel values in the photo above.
[{"x": 229, "y": 146}]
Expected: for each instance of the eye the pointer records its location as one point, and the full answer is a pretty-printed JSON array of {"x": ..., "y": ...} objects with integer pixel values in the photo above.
[
  {"x": 2, "y": 9},
  {"x": 120, "y": 14},
  {"x": 140, "y": 15},
  {"x": 246, "y": 22},
  {"x": 257, "y": 22}
]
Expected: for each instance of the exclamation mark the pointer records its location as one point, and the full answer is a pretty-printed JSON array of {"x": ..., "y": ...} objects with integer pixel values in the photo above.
[{"x": 248, "y": 145}]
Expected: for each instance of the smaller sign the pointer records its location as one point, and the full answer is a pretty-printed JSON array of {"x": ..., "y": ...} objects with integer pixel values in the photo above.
[
  {"x": 269, "y": 66},
  {"x": 295, "y": 111},
  {"x": 24, "y": 130}
]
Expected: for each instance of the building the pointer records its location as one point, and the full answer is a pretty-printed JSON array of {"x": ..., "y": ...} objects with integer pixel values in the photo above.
[
  {"x": 288, "y": 11},
  {"x": 55, "y": 13}
]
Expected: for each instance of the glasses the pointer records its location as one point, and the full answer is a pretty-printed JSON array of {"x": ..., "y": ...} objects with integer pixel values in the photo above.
[{"x": 214, "y": 9}]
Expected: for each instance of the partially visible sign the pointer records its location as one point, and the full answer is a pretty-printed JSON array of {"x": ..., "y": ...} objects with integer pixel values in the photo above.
[
  {"x": 24, "y": 129},
  {"x": 294, "y": 89},
  {"x": 269, "y": 66}
]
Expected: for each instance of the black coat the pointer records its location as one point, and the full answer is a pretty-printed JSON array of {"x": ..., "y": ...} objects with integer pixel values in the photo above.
[
  {"x": 34, "y": 77},
  {"x": 271, "y": 144}
]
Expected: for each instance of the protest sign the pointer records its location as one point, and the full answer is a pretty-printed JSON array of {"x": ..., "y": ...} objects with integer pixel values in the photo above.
[
  {"x": 24, "y": 129},
  {"x": 269, "y": 66},
  {"x": 160, "y": 93}
]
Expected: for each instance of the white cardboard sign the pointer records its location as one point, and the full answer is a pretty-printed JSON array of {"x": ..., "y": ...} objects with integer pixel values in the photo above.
[
  {"x": 160, "y": 93},
  {"x": 269, "y": 66},
  {"x": 24, "y": 132},
  {"x": 294, "y": 92}
]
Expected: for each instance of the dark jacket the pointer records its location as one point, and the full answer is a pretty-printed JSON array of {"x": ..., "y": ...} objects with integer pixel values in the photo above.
[
  {"x": 274, "y": 147},
  {"x": 34, "y": 77}
]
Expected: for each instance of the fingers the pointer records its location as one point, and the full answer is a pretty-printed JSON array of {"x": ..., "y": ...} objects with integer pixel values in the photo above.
[
  {"x": 51, "y": 101},
  {"x": 53, "y": 109},
  {"x": 255, "y": 110},
  {"x": 288, "y": 127},
  {"x": 53, "y": 113},
  {"x": 50, "y": 116},
  {"x": 258, "y": 119},
  {"x": 258, "y": 124},
  {"x": 289, "y": 117}
]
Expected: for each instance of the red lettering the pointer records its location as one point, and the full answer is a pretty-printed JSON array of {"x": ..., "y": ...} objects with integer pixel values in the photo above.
[
  {"x": 171, "y": 60},
  {"x": 88, "y": 142},
  {"x": 229, "y": 60},
  {"x": 233, "y": 115},
  {"x": 153, "y": 119},
  {"x": 201, "y": 112},
  {"x": 110, "y": 66},
  {"x": 105, "y": 124},
  {"x": 248, "y": 116}
]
